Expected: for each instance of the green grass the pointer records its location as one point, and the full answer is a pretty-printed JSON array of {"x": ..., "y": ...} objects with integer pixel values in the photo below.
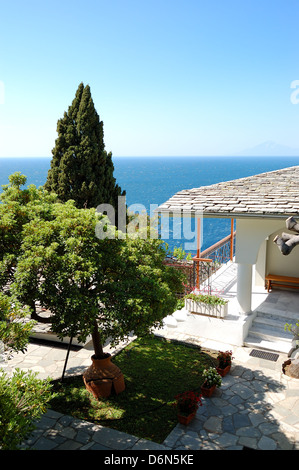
[{"x": 155, "y": 371}]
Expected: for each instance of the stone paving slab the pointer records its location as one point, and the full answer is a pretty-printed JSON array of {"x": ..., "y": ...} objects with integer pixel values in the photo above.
[{"x": 257, "y": 406}]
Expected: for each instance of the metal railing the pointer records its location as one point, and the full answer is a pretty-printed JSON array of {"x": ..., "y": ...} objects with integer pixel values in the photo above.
[
  {"x": 198, "y": 272},
  {"x": 211, "y": 259}
]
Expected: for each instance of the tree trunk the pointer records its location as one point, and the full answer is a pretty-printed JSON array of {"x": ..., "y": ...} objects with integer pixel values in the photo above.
[
  {"x": 36, "y": 317},
  {"x": 97, "y": 343}
]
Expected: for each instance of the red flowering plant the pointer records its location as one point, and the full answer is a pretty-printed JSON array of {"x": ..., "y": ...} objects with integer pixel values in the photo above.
[
  {"x": 188, "y": 402},
  {"x": 224, "y": 359}
]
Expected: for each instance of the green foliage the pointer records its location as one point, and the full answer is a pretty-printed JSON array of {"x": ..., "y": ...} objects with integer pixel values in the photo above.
[
  {"x": 208, "y": 299},
  {"x": 212, "y": 377},
  {"x": 119, "y": 284},
  {"x": 180, "y": 254},
  {"x": 81, "y": 169},
  {"x": 23, "y": 398},
  {"x": 155, "y": 371},
  {"x": 15, "y": 327},
  {"x": 18, "y": 207}
]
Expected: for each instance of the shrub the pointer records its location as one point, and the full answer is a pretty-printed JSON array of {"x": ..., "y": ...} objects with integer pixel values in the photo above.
[{"x": 23, "y": 399}]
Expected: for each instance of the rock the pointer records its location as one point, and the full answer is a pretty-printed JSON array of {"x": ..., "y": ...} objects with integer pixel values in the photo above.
[{"x": 291, "y": 368}]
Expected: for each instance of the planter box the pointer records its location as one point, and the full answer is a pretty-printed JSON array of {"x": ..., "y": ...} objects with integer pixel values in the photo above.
[{"x": 199, "y": 308}]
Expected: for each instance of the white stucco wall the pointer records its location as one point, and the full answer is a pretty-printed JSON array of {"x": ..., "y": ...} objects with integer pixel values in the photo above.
[
  {"x": 251, "y": 234},
  {"x": 254, "y": 245},
  {"x": 278, "y": 263}
]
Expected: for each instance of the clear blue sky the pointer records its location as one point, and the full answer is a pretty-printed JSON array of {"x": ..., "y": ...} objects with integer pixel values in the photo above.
[{"x": 167, "y": 77}]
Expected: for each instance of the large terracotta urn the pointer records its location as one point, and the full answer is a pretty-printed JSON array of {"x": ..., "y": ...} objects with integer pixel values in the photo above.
[{"x": 102, "y": 376}]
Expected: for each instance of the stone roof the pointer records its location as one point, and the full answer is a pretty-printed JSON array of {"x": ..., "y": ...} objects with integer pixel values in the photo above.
[{"x": 273, "y": 194}]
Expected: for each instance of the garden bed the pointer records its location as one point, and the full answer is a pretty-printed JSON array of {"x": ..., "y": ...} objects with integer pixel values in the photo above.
[{"x": 155, "y": 371}]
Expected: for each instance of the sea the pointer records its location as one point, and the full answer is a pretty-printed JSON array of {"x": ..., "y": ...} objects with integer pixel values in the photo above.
[{"x": 151, "y": 181}]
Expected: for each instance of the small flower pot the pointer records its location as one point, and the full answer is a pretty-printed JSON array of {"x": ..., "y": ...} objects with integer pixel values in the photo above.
[
  {"x": 224, "y": 371},
  {"x": 207, "y": 391},
  {"x": 186, "y": 419}
]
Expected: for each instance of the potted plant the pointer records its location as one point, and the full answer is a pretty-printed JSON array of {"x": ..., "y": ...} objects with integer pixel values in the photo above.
[
  {"x": 224, "y": 362},
  {"x": 187, "y": 405},
  {"x": 206, "y": 304},
  {"x": 212, "y": 380}
]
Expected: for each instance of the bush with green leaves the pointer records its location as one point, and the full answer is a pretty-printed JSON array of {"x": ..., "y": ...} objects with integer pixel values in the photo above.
[
  {"x": 23, "y": 399},
  {"x": 15, "y": 326}
]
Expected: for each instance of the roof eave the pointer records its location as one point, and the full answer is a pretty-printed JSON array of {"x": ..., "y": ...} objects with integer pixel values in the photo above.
[{"x": 224, "y": 215}]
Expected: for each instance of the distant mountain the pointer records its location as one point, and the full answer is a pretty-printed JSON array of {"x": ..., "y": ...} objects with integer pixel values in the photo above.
[{"x": 269, "y": 149}]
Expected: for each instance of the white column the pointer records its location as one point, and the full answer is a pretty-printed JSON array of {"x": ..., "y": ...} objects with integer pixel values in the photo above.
[{"x": 244, "y": 287}]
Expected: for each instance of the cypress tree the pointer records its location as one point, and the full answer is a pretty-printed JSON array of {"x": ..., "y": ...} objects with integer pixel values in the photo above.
[{"x": 81, "y": 169}]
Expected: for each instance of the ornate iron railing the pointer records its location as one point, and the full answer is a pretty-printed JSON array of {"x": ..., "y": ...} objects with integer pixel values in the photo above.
[
  {"x": 198, "y": 272},
  {"x": 211, "y": 259}
]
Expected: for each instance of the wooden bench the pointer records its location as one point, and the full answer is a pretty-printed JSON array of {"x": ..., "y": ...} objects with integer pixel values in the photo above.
[{"x": 281, "y": 281}]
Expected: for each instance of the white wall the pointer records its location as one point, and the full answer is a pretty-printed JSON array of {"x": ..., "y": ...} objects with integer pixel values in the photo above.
[
  {"x": 278, "y": 263},
  {"x": 254, "y": 245},
  {"x": 251, "y": 233}
]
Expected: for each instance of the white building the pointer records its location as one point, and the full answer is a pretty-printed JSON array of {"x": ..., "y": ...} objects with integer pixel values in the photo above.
[{"x": 260, "y": 205}]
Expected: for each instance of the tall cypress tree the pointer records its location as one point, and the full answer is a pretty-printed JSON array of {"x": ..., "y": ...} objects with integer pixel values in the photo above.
[{"x": 81, "y": 169}]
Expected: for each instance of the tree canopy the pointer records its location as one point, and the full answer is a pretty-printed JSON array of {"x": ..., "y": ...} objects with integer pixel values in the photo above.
[
  {"x": 81, "y": 169},
  {"x": 18, "y": 207},
  {"x": 107, "y": 287}
]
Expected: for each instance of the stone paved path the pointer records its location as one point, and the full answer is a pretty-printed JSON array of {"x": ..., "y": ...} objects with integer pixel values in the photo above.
[
  {"x": 257, "y": 407},
  {"x": 254, "y": 408}
]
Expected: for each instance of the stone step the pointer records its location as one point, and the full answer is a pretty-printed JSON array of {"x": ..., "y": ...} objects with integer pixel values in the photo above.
[
  {"x": 267, "y": 332},
  {"x": 260, "y": 343},
  {"x": 170, "y": 321},
  {"x": 272, "y": 323},
  {"x": 180, "y": 315},
  {"x": 270, "y": 334},
  {"x": 288, "y": 316}
]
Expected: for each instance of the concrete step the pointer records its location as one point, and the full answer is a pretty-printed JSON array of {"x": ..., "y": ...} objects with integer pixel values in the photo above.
[
  {"x": 170, "y": 321},
  {"x": 267, "y": 332},
  {"x": 271, "y": 323},
  {"x": 255, "y": 342},
  {"x": 268, "y": 329},
  {"x": 180, "y": 315},
  {"x": 270, "y": 334},
  {"x": 288, "y": 316}
]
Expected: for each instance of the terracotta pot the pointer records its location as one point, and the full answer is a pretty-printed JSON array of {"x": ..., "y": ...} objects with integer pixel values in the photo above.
[
  {"x": 207, "y": 391},
  {"x": 183, "y": 419},
  {"x": 102, "y": 376},
  {"x": 224, "y": 371}
]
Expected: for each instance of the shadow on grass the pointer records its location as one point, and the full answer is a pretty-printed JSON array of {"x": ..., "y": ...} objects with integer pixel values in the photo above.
[{"x": 155, "y": 371}]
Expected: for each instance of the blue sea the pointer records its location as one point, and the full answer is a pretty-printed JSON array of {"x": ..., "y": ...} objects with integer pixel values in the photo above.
[{"x": 153, "y": 180}]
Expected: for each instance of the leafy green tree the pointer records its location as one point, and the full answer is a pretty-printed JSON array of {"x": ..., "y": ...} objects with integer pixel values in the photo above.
[
  {"x": 18, "y": 207},
  {"x": 81, "y": 169},
  {"x": 15, "y": 328},
  {"x": 107, "y": 287}
]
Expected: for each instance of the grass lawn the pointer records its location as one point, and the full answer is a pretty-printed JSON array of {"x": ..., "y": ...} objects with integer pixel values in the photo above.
[{"x": 155, "y": 371}]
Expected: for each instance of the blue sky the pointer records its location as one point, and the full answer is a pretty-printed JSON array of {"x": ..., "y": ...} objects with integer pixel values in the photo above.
[{"x": 167, "y": 77}]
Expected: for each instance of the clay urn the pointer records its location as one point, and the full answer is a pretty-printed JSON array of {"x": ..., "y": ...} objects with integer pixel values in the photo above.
[{"x": 102, "y": 377}]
